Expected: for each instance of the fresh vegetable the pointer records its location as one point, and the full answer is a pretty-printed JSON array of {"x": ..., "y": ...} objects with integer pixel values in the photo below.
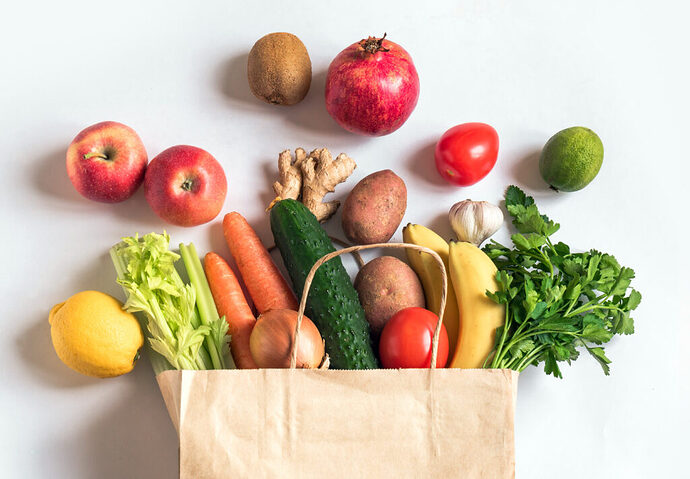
[
  {"x": 428, "y": 272},
  {"x": 182, "y": 337},
  {"x": 267, "y": 287},
  {"x": 231, "y": 303},
  {"x": 374, "y": 208},
  {"x": 206, "y": 307},
  {"x": 473, "y": 274},
  {"x": 308, "y": 178},
  {"x": 372, "y": 87},
  {"x": 279, "y": 69},
  {"x": 385, "y": 286},
  {"x": 406, "y": 340},
  {"x": 571, "y": 159},
  {"x": 272, "y": 338},
  {"x": 94, "y": 336},
  {"x": 466, "y": 153},
  {"x": 332, "y": 303},
  {"x": 475, "y": 221},
  {"x": 556, "y": 300}
]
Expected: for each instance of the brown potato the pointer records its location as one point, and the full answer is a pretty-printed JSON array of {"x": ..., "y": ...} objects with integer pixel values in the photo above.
[
  {"x": 374, "y": 208},
  {"x": 385, "y": 286}
]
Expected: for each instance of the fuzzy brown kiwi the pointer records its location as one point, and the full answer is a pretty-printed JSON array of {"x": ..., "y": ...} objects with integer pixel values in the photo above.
[{"x": 279, "y": 69}]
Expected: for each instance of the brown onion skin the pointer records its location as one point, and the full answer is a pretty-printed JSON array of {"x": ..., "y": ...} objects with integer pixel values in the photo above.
[{"x": 271, "y": 341}]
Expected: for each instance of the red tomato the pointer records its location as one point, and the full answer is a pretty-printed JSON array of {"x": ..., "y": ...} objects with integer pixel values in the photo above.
[
  {"x": 466, "y": 153},
  {"x": 406, "y": 340}
]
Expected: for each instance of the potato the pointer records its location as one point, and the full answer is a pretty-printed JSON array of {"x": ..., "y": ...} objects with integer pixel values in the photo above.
[
  {"x": 374, "y": 208},
  {"x": 385, "y": 286}
]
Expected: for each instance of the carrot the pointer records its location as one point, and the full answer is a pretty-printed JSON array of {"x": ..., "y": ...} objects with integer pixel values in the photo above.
[
  {"x": 231, "y": 303},
  {"x": 267, "y": 287}
]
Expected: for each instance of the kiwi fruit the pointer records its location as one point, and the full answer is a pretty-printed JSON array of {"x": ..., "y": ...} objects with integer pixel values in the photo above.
[{"x": 279, "y": 69}]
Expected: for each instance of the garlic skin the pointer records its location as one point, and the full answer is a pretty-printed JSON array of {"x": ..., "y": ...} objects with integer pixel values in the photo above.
[{"x": 475, "y": 221}]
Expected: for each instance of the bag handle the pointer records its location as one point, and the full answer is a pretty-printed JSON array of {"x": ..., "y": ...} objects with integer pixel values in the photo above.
[{"x": 354, "y": 249}]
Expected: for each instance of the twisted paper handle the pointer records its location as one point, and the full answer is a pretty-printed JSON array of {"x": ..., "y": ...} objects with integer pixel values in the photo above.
[{"x": 353, "y": 249}]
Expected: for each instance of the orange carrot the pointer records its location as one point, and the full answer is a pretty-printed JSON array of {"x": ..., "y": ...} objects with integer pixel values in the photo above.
[
  {"x": 231, "y": 303},
  {"x": 267, "y": 287}
]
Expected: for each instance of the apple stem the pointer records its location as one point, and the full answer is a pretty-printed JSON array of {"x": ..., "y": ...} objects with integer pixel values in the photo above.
[
  {"x": 187, "y": 184},
  {"x": 373, "y": 44},
  {"x": 95, "y": 154}
]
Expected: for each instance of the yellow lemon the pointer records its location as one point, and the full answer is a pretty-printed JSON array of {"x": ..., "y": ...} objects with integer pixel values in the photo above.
[{"x": 94, "y": 336}]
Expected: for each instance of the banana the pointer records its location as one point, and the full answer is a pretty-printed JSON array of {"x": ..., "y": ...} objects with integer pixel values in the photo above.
[
  {"x": 473, "y": 273},
  {"x": 430, "y": 276}
]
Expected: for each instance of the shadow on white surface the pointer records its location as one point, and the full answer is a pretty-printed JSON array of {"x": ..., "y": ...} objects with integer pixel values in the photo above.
[
  {"x": 421, "y": 164},
  {"x": 525, "y": 171},
  {"x": 310, "y": 114},
  {"x": 131, "y": 437},
  {"x": 49, "y": 176}
]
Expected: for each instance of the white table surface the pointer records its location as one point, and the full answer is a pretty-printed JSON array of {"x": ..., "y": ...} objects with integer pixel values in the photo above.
[{"x": 175, "y": 72}]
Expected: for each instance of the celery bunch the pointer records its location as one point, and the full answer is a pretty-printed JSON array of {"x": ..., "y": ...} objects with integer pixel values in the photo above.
[{"x": 182, "y": 324}]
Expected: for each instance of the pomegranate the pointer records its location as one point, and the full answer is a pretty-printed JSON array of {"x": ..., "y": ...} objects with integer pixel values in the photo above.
[{"x": 372, "y": 87}]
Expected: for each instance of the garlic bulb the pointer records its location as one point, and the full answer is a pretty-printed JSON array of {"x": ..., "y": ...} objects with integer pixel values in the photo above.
[{"x": 475, "y": 221}]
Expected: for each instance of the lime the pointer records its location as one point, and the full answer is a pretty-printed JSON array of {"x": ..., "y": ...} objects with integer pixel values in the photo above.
[{"x": 571, "y": 158}]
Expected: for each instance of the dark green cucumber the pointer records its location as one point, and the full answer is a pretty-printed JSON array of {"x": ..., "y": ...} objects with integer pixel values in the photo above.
[{"x": 332, "y": 304}]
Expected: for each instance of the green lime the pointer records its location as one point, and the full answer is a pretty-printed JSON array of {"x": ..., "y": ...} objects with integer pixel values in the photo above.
[{"x": 571, "y": 158}]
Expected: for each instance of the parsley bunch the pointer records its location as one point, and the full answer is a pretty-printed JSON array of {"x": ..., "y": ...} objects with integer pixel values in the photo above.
[{"x": 556, "y": 300}]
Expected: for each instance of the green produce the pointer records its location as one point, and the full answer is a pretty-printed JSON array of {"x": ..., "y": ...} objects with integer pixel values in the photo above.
[
  {"x": 571, "y": 159},
  {"x": 332, "y": 303},
  {"x": 556, "y": 300},
  {"x": 182, "y": 322}
]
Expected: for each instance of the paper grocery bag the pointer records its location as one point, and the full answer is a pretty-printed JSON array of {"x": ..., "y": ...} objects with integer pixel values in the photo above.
[{"x": 287, "y": 423}]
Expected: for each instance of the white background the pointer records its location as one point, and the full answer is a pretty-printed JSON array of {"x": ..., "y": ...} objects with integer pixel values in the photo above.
[{"x": 175, "y": 72}]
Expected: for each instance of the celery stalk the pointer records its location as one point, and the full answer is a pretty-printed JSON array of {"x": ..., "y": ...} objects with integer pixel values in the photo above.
[
  {"x": 217, "y": 341},
  {"x": 174, "y": 330}
]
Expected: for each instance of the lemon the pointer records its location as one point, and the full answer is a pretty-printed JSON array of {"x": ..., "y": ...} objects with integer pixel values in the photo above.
[
  {"x": 93, "y": 335},
  {"x": 571, "y": 158}
]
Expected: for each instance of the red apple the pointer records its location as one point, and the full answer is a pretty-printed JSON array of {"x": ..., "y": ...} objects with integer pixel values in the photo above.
[
  {"x": 106, "y": 162},
  {"x": 185, "y": 186}
]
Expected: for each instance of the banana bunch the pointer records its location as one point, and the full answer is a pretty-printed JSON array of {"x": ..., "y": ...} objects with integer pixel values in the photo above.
[{"x": 470, "y": 317}]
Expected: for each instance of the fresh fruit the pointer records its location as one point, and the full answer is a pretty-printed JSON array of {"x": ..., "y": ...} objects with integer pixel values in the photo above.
[
  {"x": 106, "y": 162},
  {"x": 385, "y": 286},
  {"x": 185, "y": 186},
  {"x": 571, "y": 159},
  {"x": 94, "y": 336},
  {"x": 372, "y": 87},
  {"x": 473, "y": 274},
  {"x": 428, "y": 272},
  {"x": 279, "y": 69},
  {"x": 374, "y": 208},
  {"x": 272, "y": 339},
  {"x": 406, "y": 340},
  {"x": 333, "y": 302},
  {"x": 466, "y": 153}
]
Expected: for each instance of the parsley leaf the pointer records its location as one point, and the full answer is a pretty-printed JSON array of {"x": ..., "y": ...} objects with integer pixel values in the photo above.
[{"x": 556, "y": 300}]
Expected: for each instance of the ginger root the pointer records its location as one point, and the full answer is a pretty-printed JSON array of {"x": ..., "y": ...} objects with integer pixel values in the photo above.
[
  {"x": 290, "y": 183},
  {"x": 308, "y": 178}
]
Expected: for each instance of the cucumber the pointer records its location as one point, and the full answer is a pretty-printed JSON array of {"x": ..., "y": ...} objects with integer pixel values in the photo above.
[{"x": 332, "y": 304}]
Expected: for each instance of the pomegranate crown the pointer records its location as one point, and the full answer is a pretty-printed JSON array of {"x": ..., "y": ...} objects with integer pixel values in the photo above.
[{"x": 373, "y": 44}]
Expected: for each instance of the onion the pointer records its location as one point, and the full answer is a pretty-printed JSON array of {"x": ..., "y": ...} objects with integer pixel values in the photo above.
[{"x": 271, "y": 341}]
